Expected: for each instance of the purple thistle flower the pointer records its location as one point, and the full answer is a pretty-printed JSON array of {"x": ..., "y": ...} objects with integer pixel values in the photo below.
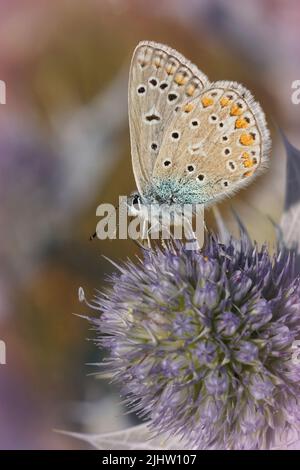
[{"x": 201, "y": 342}]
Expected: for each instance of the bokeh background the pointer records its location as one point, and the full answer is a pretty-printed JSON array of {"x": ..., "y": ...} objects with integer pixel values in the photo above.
[{"x": 64, "y": 148}]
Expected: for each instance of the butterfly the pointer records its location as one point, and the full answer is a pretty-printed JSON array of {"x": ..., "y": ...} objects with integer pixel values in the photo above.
[{"x": 192, "y": 141}]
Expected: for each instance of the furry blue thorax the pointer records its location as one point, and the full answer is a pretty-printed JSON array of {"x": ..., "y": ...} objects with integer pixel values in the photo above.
[{"x": 169, "y": 191}]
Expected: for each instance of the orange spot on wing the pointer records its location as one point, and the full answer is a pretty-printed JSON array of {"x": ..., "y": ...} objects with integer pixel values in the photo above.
[
  {"x": 235, "y": 110},
  {"x": 246, "y": 139},
  {"x": 207, "y": 101},
  {"x": 248, "y": 162},
  {"x": 188, "y": 108},
  {"x": 190, "y": 90},
  {"x": 225, "y": 101},
  {"x": 241, "y": 123},
  {"x": 247, "y": 174},
  {"x": 180, "y": 79}
]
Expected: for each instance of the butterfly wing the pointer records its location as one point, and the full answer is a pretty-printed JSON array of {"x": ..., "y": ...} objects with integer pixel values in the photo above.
[
  {"x": 160, "y": 80},
  {"x": 215, "y": 144}
]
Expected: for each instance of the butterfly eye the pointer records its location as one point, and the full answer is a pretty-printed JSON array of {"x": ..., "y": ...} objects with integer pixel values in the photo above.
[
  {"x": 135, "y": 199},
  {"x": 167, "y": 163}
]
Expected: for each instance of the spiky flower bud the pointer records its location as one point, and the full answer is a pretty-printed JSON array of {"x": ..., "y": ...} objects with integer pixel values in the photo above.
[{"x": 202, "y": 342}]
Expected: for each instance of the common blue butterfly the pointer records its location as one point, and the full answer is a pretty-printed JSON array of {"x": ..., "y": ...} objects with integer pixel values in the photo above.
[{"x": 192, "y": 141}]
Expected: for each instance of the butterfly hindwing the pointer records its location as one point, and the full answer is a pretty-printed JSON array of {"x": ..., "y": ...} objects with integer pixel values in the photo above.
[
  {"x": 218, "y": 140},
  {"x": 160, "y": 80}
]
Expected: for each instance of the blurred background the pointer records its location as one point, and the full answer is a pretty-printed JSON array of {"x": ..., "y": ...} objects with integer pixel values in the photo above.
[{"x": 64, "y": 148}]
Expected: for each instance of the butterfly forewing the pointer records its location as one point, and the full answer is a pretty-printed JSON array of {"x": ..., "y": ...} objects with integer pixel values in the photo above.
[
  {"x": 161, "y": 80},
  {"x": 218, "y": 140}
]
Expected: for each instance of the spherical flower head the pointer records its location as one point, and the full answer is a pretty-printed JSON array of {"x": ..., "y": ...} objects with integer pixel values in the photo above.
[{"x": 201, "y": 342}]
